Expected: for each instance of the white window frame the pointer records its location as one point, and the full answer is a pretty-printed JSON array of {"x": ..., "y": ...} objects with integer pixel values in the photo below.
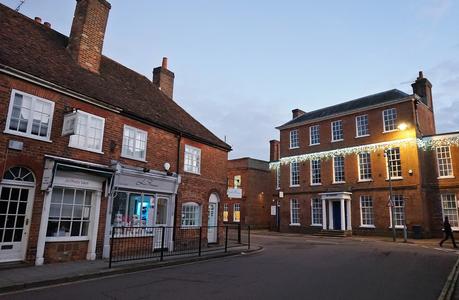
[
  {"x": 316, "y": 205},
  {"x": 454, "y": 222},
  {"x": 28, "y": 133},
  {"x": 444, "y": 162},
  {"x": 396, "y": 199},
  {"x": 137, "y": 133},
  {"x": 342, "y": 171},
  {"x": 311, "y": 163},
  {"x": 294, "y": 212},
  {"x": 334, "y": 125},
  {"x": 367, "y": 199},
  {"x": 197, "y": 218},
  {"x": 364, "y": 167},
  {"x": 362, "y": 121},
  {"x": 314, "y": 135},
  {"x": 386, "y": 114},
  {"x": 294, "y": 174},
  {"x": 387, "y": 164},
  {"x": 72, "y": 142},
  {"x": 236, "y": 208},
  {"x": 294, "y": 139},
  {"x": 190, "y": 150}
]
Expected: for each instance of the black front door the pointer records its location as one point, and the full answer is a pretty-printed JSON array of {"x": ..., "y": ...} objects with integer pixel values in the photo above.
[{"x": 336, "y": 215}]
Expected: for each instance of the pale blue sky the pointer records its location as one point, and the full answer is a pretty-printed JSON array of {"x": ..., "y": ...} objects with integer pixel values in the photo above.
[{"x": 241, "y": 66}]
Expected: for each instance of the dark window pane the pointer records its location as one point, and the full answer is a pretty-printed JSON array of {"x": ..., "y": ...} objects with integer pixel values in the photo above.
[
  {"x": 76, "y": 228},
  {"x": 29, "y": 177},
  {"x": 84, "y": 230},
  {"x": 22, "y": 208},
  {"x": 5, "y": 195},
  {"x": 15, "y": 194},
  {"x": 20, "y": 221},
  {"x": 56, "y": 197},
  {"x": 68, "y": 196},
  {"x": 10, "y": 221},
  {"x": 17, "y": 235},
  {"x": 2, "y": 221},
  {"x": 24, "y": 195},
  {"x": 87, "y": 201},
  {"x": 8, "y": 236},
  {"x": 3, "y": 207},
  {"x": 13, "y": 207},
  {"x": 52, "y": 229},
  {"x": 64, "y": 230},
  {"x": 1, "y": 234},
  {"x": 79, "y": 197}
]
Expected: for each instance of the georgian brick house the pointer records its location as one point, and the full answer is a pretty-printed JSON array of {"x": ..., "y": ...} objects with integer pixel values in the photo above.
[
  {"x": 88, "y": 144},
  {"x": 332, "y": 167}
]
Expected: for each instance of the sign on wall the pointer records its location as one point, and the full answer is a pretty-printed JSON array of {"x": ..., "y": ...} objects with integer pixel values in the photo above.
[
  {"x": 234, "y": 193},
  {"x": 273, "y": 210},
  {"x": 69, "y": 126}
]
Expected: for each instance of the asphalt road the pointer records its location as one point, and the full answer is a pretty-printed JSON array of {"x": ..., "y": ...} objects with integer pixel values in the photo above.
[{"x": 288, "y": 268}]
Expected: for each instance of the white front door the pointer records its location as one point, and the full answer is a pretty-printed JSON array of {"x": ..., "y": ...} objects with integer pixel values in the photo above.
[
  {"x": 212, "y": 223},
  {"x": 160, "y": 221},
  {"x": 15, "y": 211}
]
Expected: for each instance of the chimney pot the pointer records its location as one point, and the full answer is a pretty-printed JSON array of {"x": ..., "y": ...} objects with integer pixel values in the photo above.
[
  {"x": 38, "y": 19},
  {"x": 47, "y": 24},
  {"x": 420, "y": 75},
  {"x": 164, "y": 64},
  {"x": 163, "y": 79}
]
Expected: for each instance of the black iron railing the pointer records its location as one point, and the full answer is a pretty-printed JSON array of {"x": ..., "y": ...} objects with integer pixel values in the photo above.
[{"x": 136, "y": 243}]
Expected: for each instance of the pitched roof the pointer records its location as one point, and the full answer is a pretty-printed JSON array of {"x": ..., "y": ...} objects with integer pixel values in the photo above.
[
  {"x": 359, "y": 103},
  {"x": 41, "y": 51}
]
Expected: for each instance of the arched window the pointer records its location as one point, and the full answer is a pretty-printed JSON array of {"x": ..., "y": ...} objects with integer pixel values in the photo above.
[
  {"x": 191, "y": 214},
  {"x": 17, "y": 175}
]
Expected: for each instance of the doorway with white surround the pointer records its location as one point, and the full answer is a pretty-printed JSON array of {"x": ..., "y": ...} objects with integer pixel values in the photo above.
[
  {"x": 212, "y": 223},
  {"x": 336, "y": 211}
]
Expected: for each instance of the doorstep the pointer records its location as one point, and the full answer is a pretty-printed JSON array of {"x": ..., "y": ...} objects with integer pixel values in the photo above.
[{"x": 38, "y": 276}]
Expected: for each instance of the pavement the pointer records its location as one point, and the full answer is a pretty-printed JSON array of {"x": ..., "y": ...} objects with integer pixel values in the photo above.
[{"x": 288, "y": 267}]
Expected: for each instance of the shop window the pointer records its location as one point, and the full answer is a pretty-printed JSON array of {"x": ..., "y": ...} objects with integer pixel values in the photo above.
[
  {"x": 134, "y": 143},
  {"x": 237, "y": 212},
  {"x": 89, "y": 132},
  {"x": 69, "y": 213},
  {"x": 29, "y": 116},
  {"x": 135, "y": 209},
  {"x": 191, "y": 214},
  {"x": 192, "y": 159}
]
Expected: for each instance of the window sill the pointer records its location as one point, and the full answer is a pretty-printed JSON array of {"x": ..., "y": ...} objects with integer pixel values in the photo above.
[
  {"x": 316, "y": 225},
  {"x": 365, "y": 180},
  {"x": 389, "y": 131},
  {"x": 397, "y": 227},
  {"x": 362, "y": 136},
  {"x": 315, "y": 184},
  {"x": 339, "y": 182},
  {"x": 446, "y": 177},
  {"x": 394, "y": 178},
  {"x": 295, "y": 186},
  {"x": 86, "y": 149},
  {"x": 367, "y": 226},
  {"x": 133, "y": 158},
  {"x": 314, "y": 144},
  {"x": 190, "y": 226},
  {"x": 66, "y": 239},
  {"x": 335, "y": 141},
  {"x": 297, "y": 147},
  {"x": 26, "y": 135},
  {"x": 294, "y": 224}
]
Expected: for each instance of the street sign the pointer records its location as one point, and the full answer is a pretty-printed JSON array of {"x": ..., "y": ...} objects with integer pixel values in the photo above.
[{"x": 273, "y": 210}]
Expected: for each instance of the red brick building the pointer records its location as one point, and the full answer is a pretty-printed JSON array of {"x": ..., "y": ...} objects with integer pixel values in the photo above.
[
  {"x": 332, "y": 168},
  {"x": 249, "y": 191},
  {"x": 88, "y": 144}
]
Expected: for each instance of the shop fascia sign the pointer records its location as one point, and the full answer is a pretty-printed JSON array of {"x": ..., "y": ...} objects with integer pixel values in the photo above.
[{"x": 235, "y": 193}]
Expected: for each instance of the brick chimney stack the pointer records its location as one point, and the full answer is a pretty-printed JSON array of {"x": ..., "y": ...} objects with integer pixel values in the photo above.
[
  {"x": 423, "y": 88},
  {"x": 87, "y": 34},
  {"x": 297, "y": 112},
  {"x": 274, "y": 150},
  {"x": 163, "y": 79}
]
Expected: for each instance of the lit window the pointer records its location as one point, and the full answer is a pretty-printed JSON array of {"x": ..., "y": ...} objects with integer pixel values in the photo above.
[
  {"x": 337, "y": 131},
  {"x": 364, "y": 166},
  {"x": 89, "y": 132},
  {"x": 394, "y": 164},
  {"x": 136, "y": 209},
  {"x": 316, "y": 211},
  {"x": 390, "y": 119},
  {"x": 225, "y": 212},
  {"x": 134, "y": 143},
  {"x": 361, "y": 125},
  {"x": 294, "y": 139},
  {"x": 445, "y": 167},
  {"x": 449, "y": 208},
  {"x": 237, "y": 212},
  {"x": 29, "y": 116},
  {"x": 294, "y": 174},
  {"x": 314, "y": 135},
  {"x": 237, "y": 181},
  {"x": 315, "y": 172},
  {"x": 294, "y": 212},
  {"x": 69, "y": 213},
  {"x": 338, "y": 169},
  {"x": 191, "y": 214},
  {"x": 366, "y": 211},
  {"x": 192, "y": 159},
  {"x": 399, "y": 211}
]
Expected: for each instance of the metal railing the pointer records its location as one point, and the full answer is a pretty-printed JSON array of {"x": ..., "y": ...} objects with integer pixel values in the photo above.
[{"x": 137, "y": 243}]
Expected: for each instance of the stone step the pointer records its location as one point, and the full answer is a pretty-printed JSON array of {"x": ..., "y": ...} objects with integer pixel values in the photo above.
[{"x": 333, "y": 233}]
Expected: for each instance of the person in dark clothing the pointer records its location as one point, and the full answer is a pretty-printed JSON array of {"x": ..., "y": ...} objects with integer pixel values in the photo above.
[{"x": 448, "y": 233}]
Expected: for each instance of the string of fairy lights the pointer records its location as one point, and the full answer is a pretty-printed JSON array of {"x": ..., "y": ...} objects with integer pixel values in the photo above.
[{"x": 425, "y": 144}]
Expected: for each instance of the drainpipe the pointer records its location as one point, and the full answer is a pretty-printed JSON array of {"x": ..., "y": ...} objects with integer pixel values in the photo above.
[{"x": 179, "y": 142}]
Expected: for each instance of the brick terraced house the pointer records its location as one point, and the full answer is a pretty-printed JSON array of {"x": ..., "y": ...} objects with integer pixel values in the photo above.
[
  {"x": 249, "y": 190},
  {"x": 332, "y": 167},
  {"x": 88, "y": 144}
]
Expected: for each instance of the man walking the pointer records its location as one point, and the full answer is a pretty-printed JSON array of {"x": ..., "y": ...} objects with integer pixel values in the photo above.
[{"x": 448, "y": 233}]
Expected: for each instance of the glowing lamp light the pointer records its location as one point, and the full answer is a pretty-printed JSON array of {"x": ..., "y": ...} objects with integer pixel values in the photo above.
[{"x": 402, "y": 126}]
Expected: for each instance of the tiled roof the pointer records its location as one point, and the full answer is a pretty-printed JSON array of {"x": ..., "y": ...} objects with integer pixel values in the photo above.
[
  {"x": 359, "y": 103},
  {"x": 40, "y": 51}
]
